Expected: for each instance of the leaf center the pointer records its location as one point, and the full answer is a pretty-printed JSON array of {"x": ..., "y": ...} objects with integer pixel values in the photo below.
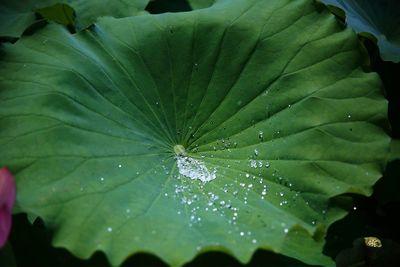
[{"x": 180, "y": 150}]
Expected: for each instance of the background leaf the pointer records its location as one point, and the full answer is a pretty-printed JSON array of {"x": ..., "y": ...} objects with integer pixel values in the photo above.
[
  {"x": 380, "y": 18},
  {"x": 91, "y": 121},
  {"x": 199, "y": 4},
  {"x": 17, "y": 16}
]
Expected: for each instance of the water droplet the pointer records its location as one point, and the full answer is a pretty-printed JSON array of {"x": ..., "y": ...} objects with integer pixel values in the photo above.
[
  {"x": 109, "y": 229},
  {"x": 286, "y": 230},
  {"x": 119, "y": 165},
  {"x": 254, "y": 241},
  {"x": 194, "y": 169},
  {"x": 261, "y": 136},
  {"x": 241, "y": 234},
  {"x": 349, "y": 116},
  {"x": 255, "y": 152},
  {"x": 253, "y": 163}
]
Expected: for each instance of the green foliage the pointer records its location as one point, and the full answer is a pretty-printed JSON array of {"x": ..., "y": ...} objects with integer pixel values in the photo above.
[
  {"x": 285, "y": 121},
  {"x": 17, "y": 16},
  {"x": 198, "y": 4},
  {"x": 379, "y": 18}
]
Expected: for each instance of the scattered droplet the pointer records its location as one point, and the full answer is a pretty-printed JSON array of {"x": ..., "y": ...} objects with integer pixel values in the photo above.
[
  {"x": 261, "y": 136},
  {"x": 253, "y": 163},
  {"x": 109, "y": 229},
  {"x": 255, "y": 152}
]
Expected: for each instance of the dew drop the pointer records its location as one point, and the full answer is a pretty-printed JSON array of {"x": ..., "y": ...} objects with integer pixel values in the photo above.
[
  {"x": 261, "y": 136},
  {"x": 109, "y": 229},
  {"x": 194, "y": 169},
  {"x": 255, "y": 152},
  {"x": 253, "y": 163}
]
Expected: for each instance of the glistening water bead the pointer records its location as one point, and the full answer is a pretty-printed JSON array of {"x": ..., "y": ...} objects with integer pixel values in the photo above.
[{"x": 192, "y": 168}]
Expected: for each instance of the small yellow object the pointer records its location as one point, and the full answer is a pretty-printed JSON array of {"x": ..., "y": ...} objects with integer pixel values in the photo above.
[{"x": 373, "y": 242}]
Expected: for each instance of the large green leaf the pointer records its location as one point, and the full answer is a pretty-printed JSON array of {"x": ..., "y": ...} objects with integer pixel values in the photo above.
[
  {"x": 263, "y": 98},
  {"x": 380, "y": 18},
  {"x": 198, "y": 4},
  {"x": 16, "y": 16}
]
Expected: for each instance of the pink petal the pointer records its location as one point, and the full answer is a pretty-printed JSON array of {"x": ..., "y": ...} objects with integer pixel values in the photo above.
[{"x": 7, "y": 198}]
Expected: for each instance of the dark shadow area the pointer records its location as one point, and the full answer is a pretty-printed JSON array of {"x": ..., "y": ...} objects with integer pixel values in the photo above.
[
  {"x": 164, "y": 6},
  {"x": 32, "y": 247},
  {"x": 375, "y": 216},
  {"x": 389, "y": 73},
  {"x": 260, "y": 258}
]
